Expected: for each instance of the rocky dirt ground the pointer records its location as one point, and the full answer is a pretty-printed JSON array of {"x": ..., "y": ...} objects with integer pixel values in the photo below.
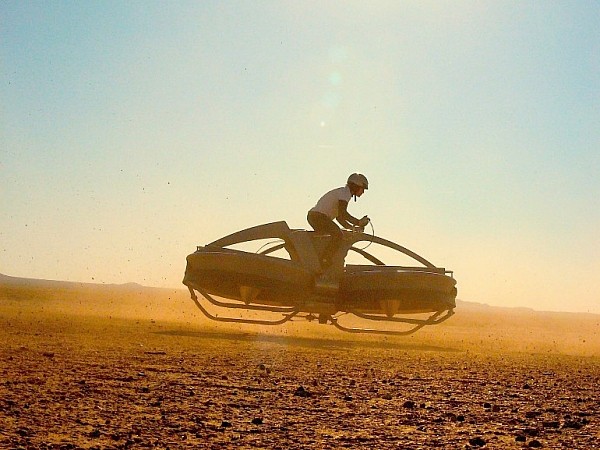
[{"x": 70, "y": 380}]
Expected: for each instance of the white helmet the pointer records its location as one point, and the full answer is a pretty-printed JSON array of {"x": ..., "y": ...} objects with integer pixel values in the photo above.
[{"x": 358, "y": 179}]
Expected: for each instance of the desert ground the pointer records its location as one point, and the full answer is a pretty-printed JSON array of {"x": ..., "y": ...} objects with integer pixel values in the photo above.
[{"x": 116, "y": 367}]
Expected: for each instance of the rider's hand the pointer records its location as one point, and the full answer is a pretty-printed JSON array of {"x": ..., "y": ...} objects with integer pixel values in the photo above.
[{"x": 363, "y": 222}]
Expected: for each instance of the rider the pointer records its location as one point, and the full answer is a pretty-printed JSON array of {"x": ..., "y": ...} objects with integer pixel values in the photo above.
[{"x": 333, "y": 205}]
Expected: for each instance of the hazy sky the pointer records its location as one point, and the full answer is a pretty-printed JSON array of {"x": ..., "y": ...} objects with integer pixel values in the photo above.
[{"x": 133, "y": 131}]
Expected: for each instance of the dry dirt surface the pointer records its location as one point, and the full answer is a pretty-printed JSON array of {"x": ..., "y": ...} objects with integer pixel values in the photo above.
[{"x": 105, "y": 367}]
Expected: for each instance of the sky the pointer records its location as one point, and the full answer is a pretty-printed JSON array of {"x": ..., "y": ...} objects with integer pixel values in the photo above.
[{"x": 130, "y": 132}]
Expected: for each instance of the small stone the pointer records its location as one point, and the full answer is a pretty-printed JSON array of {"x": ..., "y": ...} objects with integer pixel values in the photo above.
[
  {"x": 348, "y": 398},
  {"x": 257, "y": 421},
  {"x": 572, "y": 424},
  {"x": 520, "y": 438},
  {"x": 409, "y": 404},
  {"x": 534, "y": 444},
  {"x": 551, "y": 424},
  {"x": 95, "y": 434},
  {"x": 225, "y": 424},
  {"x": 477, "y": 441},
  {"x": 487, "y": 405},
  {"x": 301, "y": 392},
  {"x": 386, "y": 396}
]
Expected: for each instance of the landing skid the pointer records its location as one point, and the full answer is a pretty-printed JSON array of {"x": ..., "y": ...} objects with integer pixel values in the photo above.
[
  {"x": 290, "y": 313},
  {"x": 434, "y": 319}
]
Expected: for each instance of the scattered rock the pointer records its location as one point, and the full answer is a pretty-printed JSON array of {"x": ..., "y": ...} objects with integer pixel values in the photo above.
[
  {"x": 534, "y": 444},
  {"x": 67, "y": 446},
  {"x": 24, "y": 432},
  {"x": 477, "y": 441},
  {"x": 225, "y": 424},
  {"x": 257, "y": 421},
  {"x": 301, "y": 392},
  {"x": 520, "y": 438},
  {"x": 409, "y": 404},
  {"x": 573, "y": 424},
  {"x": 551, "y": 424}
]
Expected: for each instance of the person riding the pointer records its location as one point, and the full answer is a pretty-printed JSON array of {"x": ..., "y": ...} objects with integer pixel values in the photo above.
[{"x": 334, "y": 205}]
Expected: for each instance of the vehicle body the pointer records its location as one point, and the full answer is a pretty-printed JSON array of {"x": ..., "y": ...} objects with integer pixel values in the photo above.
[{"x": 297, "y": 286}]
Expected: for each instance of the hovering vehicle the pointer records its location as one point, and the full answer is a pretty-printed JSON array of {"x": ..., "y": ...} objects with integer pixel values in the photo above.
[{"x": 286, "y": 278}]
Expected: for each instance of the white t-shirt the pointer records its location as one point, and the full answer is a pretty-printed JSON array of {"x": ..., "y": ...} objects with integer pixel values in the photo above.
[{"x": 328, "y": 204}]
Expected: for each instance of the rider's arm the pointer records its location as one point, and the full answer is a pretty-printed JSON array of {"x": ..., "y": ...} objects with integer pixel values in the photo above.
[{"x": 344, "y": 217}]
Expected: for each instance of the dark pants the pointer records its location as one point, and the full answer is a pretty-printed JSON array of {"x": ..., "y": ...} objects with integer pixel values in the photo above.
[{"x": 323, "y": 224}]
